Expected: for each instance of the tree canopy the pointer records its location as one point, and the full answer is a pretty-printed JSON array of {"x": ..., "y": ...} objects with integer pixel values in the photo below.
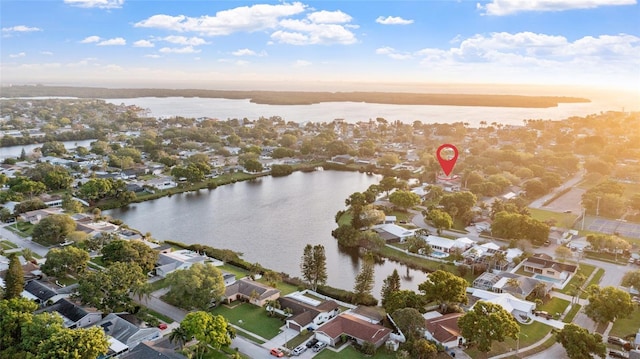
[
  {"x": 210, "y": 330},
  {"x": 487, "y": 322},
  {"x": 196, "y": 287},
  {"x": 53, "y": 229},
  {"x": 632, "y": 279},
  {"x": 579, "y": 343},
  {"x": 444, "y": 287},
  {"x": 404, "y": 199},
  {"x": 109, "y": 289},
  {"x": 607, "y": 304},
  {"x": 64, "y": 261},
  {"x": 314, "y": 265},
  {"x": 14, "y": 279},
  {"x": 130, "y": 252}
]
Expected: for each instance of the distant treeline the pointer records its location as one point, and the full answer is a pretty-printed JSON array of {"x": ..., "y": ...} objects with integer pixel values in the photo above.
[{"x": 298, "y": 98}]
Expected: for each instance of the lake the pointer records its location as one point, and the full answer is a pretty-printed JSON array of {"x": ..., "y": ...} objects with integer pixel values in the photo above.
[
  {"x": 15, "y": 151},
  {"x": 270, "y": 220}
]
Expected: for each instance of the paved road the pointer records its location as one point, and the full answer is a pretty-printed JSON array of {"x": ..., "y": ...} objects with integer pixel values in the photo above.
[
  {"x": 568, "y": 184},
  {"x": 23, "y": 242}
]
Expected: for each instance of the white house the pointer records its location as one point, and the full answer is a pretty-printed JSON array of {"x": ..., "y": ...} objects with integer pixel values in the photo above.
[
  {"x": 507, "y": 301},
  {"x": 181, "y": 259}
]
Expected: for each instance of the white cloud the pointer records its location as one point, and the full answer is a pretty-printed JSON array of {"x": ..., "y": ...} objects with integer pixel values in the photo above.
[
  {"x": 90, "y": 39},
  {"x": 393, "y": 53},
  {"x": 246, "y": 18},
  {"x": 153, "y": 56},
  {"x": 143, "y": 43},
  {"x": 48, "y": 53},
  {"x": 117, "y": 41},
  {"x": 305, "y": 32},
  {"x": 20, "y": 54},
  {"x": 301, "y": 63},
  {"x": 393, "y": 20},
  {"x": 329, "y": 17},
  {"x": 101, "y": 4},
  {"x": 244, "y": 52},
  {"x": 20, "y": 28},
  {"x": 179, "y": 50},
  {"x": 183, "y": 40},
  {"x": 508, "y": 7}
]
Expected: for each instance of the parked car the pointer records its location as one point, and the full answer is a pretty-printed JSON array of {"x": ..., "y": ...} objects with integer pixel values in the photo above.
[
  {"x": 276, "y": 352},
  {"x": 543, "y": 314},
  {"x": 616, "y": 341},
  {"x": 162, "y": 326},
  {"x": 299, "y": 350},
  {"x": 319, "y": 346},
  {"x": 311, "y": 342},
  {"x": 617, "y": 354}
]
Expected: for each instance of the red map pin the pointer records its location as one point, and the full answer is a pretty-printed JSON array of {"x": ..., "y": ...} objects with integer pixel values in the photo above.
[{"x": 447, "y": 161}]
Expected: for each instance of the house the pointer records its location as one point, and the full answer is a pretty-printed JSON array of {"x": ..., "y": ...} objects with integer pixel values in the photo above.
[
  {"x": 443, "y": 329},
  {"x": 446, "y": 245},
  {"x": 549, "y": 270},
  {"x": 161, "y": 183},
  {"x": 124, "y": 332},
  {"x": 42, "y": 293},
  {"x": 147, "y": 350},
  {"x": 94, "y": 229},
  {"x": 256, "y": 293},
  {"x": 180, "y": 259},
  {"x": 307, "y": 313},
  {"x": 507, "y": 301},
  {"x": 73, "y": 314},
  {"x": 35, "y": 216},
  {"x": 393, "y": 233},
  {"x": 371, "y": 314},
  {"x": 503, "y": 283},
  {"x": 352, "y": 328}
]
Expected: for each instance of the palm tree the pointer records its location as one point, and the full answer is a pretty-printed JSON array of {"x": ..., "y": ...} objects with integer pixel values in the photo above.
[
  {"x": 27, "y": 254},
  {"x": 272, "y": 305},
  {"x": 179, "y": 336}
]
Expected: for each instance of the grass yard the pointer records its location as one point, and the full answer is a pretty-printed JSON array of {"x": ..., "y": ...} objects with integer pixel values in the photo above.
[
  {"x": 239, "y": 272},
  {"x": 98, "y": 261},
  {"x": 627, "y": 326},
  {"x": 572, "y": 313},
  {"x": 299, "y": 339},
  {"x": 562, "y": 219},
  {"x": 8, "y": 245},
  {"x": 251, "y": 318},
  {"x": 423, "y": 264},
  {"x": 23, "y": 229},
  {"x": 529, "y": 334},
  {"x": 67, "y": 280},
  {"x": 585, "y": 270},
  {"x": 555, "y": 305},
  {"x": 595, "y": 280},
  {"x": 160, "y": 316},
  {"x": 159, "y": 284},
  {"x": 350, "y": 352}
]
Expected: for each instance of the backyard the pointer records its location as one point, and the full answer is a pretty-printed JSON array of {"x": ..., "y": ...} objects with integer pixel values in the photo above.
[{"x": 251, "y": 318}]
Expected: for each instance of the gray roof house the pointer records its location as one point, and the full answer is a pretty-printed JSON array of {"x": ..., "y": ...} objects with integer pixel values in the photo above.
[
  {"x": 126, "y": 333},
  {"x": 245, "y": 288},
  {"x": 74, "y": 315},
  {"x": 308, "y": 313},
  {"x": 181, "y": 259},
  {"x": 43, "y": 293}
]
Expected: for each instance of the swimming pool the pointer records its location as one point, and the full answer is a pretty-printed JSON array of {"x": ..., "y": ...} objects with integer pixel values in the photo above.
[
  {"x": 438, "y": 254},
  {"x": 547, "y": 279}
]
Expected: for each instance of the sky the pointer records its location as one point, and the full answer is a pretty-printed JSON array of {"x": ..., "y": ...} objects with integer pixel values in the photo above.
[{"x": 257, "y": 44}]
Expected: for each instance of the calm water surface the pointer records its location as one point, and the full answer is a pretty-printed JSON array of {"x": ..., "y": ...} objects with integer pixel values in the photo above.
[
  {"x": 269, "y": 220},
  {"x": 15, "y": 151}
]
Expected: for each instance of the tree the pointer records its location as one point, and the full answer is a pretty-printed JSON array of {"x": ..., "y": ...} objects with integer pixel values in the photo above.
[
  {"x": 404, "y": 299},
  {"x": 210, "y": 330},
  {"x": 579, "y": 343},
  {"x": 74, "y": 343},
  {"x": 53, "y": 229},
  {"x": 364, "y": 280},
  {"x": 109, "y": 289},
  {"x": 487, "y": 322},
  {"x": 64, "y": 261},
  {"x": 387, "y": 184},
  {"x": 130, "y": 252},
  {"x": 444, "y": 288},
  {"x": 424, "y": 349},
  {"x": 410, "y": 322},
  {"x": 632, "y": 279},
  {"x": 253, "y": 165},
  {"x": 562, "y": 253},
  {"x": 53, "y": 148},
  {"x": 441, "y": 220},
  {"x": 179, "y": 335},
  {"x": 607, "y": 304},
  {"x": 14, "y": 279},
  {"x": 196, "y": 287},
  {"x": 389, "y": 285},
  {"x": 70, "y": 205},
  {"x": 314, "y": 265},
  {"x": 404, "y": 199},
  {"x": 272, "y": 278}
]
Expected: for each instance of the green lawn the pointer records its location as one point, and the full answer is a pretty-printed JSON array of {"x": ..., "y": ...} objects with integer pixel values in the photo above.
[
  {"x": 350, "y": 352},
  {"x": 555, "y": 305},
  {"x": 627, "y": 326},
  {"x": 529, "y": 334},
  {"x": 98, "y": 261},
  {"x": 159, "y": 284},
  {"x": 251, "y": 318},
  {"x": 8, "y": 245},
  {"x": 595, "y": 280},
  {"x": 160, "y": 316},
  {"x": 239, "y": 272},
  {"x": 67, "y": 280},
  {"x": 562, "y": 219},
  {"x": 586, "y": 270},
  {"x": 423, "y": 264},
  {"x": 572, "y": 313}
]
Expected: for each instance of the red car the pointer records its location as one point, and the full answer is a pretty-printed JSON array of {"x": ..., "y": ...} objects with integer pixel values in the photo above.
[
  {"x": 162, "y": 326},
  {"x": 276, "y": 352}
]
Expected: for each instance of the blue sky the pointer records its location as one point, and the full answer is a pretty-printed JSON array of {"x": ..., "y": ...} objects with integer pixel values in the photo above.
[{"x": 214, "y": 44}]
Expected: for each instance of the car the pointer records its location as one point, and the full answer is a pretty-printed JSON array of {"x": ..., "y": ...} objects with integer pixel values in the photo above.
[
  {"x": 547, "y": 243},
  {"x": 276, "y": 352},
  {"x": 617, "y": 354},
  {"x": 616, "y": 341},
  {"x": 319, "y": 346},
  {"x": 162, "y": 326},
  {"x": 299, "y": 350},
  {"x": 311, "y": 342},
  {"x": 543, "y": 314}
]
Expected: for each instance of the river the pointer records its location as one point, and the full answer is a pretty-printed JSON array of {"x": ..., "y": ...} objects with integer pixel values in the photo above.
[
  {"x": 15, "y": 151},
  {"x": 269, "y": 220}
]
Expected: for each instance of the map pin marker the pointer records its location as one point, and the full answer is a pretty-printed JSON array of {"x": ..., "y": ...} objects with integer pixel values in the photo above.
[{"x": 447, "y": 162}]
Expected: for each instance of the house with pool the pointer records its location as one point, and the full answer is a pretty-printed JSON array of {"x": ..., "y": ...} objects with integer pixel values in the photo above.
[
  {"x": 543, "y": 268},
  {"x": 443, "y": 246}
]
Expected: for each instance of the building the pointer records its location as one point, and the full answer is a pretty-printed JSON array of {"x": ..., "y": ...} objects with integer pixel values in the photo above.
[
  {"x": 254, "y": 292},
  {"x": 73, "y": 314},
  {"x": 348, "y": 327},
  {"x": 443, "y": 329},
  {"x": 180, "y": 259},
  {"x": 549, "y": 270},
  {"x": 307, "y": 313},
  {"x": 123, "y": 334},
  {"x": 393, "y": 233},
  {"x": 507, "y": 301}
]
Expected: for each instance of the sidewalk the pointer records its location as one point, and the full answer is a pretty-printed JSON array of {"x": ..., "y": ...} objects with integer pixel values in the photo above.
[{"x": 525, "y": 349}]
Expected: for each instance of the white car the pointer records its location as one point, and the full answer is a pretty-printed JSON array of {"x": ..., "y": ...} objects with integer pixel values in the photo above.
[
  {"x": 299, "y": 350},
  {"x": 319, "y": 346}
]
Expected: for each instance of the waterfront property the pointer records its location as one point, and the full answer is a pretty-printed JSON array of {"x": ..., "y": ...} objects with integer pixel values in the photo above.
[
  {"x": 180, "y": 259},
  {"x": 307, "y": 313},
  {"x": 254, "y": 292},
  {"x": 507, "y": 301},
  {"x": 352, "y": 328}
]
